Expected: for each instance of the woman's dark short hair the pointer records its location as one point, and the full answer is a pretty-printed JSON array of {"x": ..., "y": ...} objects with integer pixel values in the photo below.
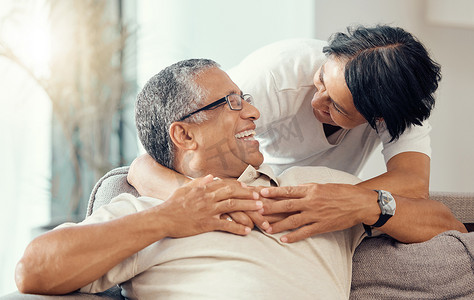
[{"x": 389, "y": 73}]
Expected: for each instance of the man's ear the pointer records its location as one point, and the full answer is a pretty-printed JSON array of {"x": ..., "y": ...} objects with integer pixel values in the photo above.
[{"x": 182, "y": 135}]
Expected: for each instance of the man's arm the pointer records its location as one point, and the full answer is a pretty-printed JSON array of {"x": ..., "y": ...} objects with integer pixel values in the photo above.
[{"x": 66, "y": 259}]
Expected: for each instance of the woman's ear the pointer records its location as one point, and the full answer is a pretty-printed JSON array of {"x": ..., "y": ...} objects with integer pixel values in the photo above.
[{"x": 182, "y": 135}]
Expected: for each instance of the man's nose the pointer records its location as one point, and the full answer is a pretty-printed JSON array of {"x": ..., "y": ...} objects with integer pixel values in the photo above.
[{"x": 249, "y": 111}]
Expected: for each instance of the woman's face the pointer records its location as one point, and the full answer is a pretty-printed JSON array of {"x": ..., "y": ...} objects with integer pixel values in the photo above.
[{"x": 332, "y": 103}]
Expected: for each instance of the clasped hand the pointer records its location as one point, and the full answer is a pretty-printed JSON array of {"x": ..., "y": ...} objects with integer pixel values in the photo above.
[
  {"x": 198, "y": 207},
  {"x": 315, "y": 208},
  {"x": 309, "y": 209},
  {"x": 205, "y": 205}
]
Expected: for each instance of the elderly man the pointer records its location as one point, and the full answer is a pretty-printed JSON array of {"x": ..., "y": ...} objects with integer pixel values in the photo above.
[{"x": 194, "y": 119}]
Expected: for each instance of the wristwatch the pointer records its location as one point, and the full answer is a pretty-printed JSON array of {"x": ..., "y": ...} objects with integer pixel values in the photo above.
[{"x": 387, "y": 207}]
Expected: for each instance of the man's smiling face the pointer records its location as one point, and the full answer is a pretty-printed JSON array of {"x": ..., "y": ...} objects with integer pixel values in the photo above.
[{"x": 228, "y": 135}]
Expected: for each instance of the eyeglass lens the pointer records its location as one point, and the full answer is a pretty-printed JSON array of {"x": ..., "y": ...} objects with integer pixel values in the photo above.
[{"x": 235, "y": 101}]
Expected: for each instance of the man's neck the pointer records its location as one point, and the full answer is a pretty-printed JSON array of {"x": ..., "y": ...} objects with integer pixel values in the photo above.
[
  {"x": 194, "y": 165},
  {"x": 196, "y": 173}
]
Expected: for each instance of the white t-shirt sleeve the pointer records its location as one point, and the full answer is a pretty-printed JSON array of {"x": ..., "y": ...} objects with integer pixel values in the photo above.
[{"x": 414, "y": 139}]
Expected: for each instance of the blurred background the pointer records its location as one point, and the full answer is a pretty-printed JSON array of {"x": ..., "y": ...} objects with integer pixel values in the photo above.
[{"x": 70, "y": 71}]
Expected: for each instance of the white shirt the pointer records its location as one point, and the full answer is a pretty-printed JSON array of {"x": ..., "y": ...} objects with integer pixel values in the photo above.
[{"x": 280, "y": 78}]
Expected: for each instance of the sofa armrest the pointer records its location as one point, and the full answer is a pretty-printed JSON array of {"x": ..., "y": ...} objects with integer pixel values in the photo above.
[
  {"x": 461, "y": 204},
  {"x": 111, "y": 294}
]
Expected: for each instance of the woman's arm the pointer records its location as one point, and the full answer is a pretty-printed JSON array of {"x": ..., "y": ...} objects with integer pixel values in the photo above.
[
  {"x": 408, "y": 174},
  {"x": 151, "y": 179},
  {"x": 319, "y": 208},
  {"x": 322, "y": 208}
]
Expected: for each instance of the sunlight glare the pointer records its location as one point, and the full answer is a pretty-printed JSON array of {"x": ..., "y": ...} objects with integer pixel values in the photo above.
[
  {"x": 27, "y": 33},
  {"x": 39, "y": 48}
]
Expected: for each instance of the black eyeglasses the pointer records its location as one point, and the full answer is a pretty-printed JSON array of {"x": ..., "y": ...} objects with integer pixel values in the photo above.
[{"x": 233, "y": 100}]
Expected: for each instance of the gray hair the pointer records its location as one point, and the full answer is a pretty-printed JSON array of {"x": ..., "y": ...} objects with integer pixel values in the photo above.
[{"x": 165, "y": 98}]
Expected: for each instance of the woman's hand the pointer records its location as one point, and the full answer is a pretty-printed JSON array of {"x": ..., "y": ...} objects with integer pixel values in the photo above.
[
  {"x": 319, "y": 208},
  {"x": 252, "y": 218}
]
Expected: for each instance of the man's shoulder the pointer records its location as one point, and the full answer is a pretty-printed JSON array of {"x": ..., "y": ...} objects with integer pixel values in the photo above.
[
  {"x": 125, "y": 204},
  {"x": 315, "y": 174}
]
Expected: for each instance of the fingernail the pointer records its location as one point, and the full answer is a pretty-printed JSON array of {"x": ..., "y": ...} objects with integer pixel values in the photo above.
[
  {"x": 208, "y": 178},
  {"x": 259, "y": 203},
  {"x": 261, "y": 211},
  {"x": 256, "y": 195},
  {"x": 264, "y": 192},
  {"x": 284, "y": 239},
  {"x": 265, "y": 225},
  {"x": 269, "y": 229},
  {"x": 243, "y": 184},
  {"x": 247, "y": 230}
]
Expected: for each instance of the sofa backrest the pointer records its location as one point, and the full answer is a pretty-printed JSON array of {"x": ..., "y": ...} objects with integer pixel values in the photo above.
[{"x": 109, "y": 186}]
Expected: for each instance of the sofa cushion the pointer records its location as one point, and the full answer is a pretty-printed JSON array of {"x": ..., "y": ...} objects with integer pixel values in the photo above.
[{"x": 441, "y": 268}]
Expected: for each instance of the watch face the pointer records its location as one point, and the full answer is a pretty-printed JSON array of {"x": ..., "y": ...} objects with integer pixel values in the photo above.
[
  {"x": 387, "y": 202},
  {"x": 385, "y": 199}
]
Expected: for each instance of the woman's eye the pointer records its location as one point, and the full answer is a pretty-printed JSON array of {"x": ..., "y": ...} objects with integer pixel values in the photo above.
[{"x": 335, "y": 107}]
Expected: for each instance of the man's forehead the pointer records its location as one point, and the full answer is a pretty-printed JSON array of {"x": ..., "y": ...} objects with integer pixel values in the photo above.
[{"x": 217, "y": 84}]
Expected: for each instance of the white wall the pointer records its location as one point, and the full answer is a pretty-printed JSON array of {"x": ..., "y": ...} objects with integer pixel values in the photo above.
[
  {"x": 452, "y": 139},
  {"x": 225, "y": 31}
]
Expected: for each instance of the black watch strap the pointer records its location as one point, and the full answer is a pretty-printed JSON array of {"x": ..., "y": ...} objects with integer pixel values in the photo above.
[
  {"x": 382, "y": 220},
  {"x": 368, "y": 229}
]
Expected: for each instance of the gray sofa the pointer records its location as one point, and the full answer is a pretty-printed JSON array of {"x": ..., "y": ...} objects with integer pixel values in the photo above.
[{"x": 441, "y": 268}]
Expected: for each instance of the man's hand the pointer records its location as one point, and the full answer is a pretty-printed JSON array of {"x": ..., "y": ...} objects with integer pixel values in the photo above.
[
  {"x": 252, "y": 218},
  {"x": 198, "y": 206},
  {"x": 319, "y": 208}
]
